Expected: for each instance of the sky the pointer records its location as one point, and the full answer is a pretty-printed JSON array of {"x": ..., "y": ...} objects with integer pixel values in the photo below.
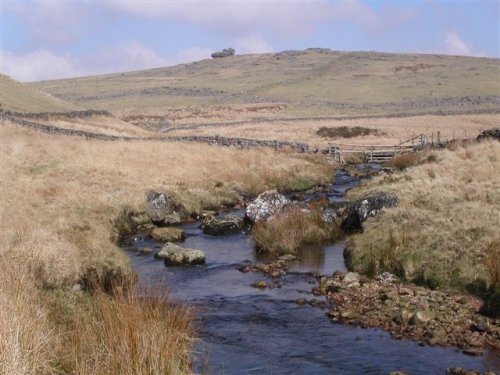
[{"x": 43, "y": 39}]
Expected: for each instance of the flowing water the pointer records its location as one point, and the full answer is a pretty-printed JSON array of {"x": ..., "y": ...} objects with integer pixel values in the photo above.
[{"x": 244, "y": 330}]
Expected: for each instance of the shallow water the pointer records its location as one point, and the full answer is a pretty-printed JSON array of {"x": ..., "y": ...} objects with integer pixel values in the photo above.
[{"x": 244, "y": 330}]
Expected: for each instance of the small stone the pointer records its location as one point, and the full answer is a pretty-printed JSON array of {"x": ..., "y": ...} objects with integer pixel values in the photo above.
[
  {"x": 422, "y": 317},
  {"x": 145, "y": 250},
  {"x": 288, "y": 257},
  {"x": 351, "y": 279},
  {"x": 386, "y": 278},
  {"x": 301, "y": 301},
  {"x": 475, "y": 352},
  {"x": 245, "y": 269},
  {"x": 260, "y": 284},
  {"x": 403, "y": 291}
]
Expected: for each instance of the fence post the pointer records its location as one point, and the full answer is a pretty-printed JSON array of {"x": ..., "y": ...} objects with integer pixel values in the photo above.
[{"x": 439, "y": 137}]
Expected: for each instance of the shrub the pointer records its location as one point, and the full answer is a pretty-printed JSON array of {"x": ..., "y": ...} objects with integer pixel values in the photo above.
[{"x": 346, "y": 132}]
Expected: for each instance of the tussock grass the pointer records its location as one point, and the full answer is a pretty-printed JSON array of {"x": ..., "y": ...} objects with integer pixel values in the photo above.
[
  {"x": 443, "y": 231},
  {"x": 132, "y": 333},
  {"x": 27, "y": 339},
  {"x": 287, "y": 232},
  {"x": 404, "y": 161},
  {"x": 60, "y": 197}
]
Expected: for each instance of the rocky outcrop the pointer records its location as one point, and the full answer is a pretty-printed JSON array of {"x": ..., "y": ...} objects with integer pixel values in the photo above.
[
  {"x": 160, "y": 209},
  {"x": 351, "y": 215},
  {"x": 167, "y": 234},
  {"x": 267, "y": 204},
  {"x": 217, "y": 226},
  {"x": 174, "y": 255},
  {"x": 224, "y": 53},
  {"x": 493, "y": 133}
]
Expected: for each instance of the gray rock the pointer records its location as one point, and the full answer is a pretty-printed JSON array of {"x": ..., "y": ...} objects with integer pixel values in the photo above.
[
  {"x": 224, "y": 225},
  {"x": 175, "y": 255},
  {"x": 350, "y": 215},
  {"x": 161, "y": 209},
  {"x": 224, "y": 53},
  {"x": 158, "y": 205},
  {"x": 267, "y": 204}
]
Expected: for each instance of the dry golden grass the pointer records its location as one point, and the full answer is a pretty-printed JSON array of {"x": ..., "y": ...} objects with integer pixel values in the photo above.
[
  {"x": 60, "y": 196},
  {"x": 27, "y": 339},
  {"x": 292, "y": 229},
  {"x": 441, "y": 234},
  {"x": 100, "y": 124},
  {"x": 394, "y": 129},
  {"x": 132, "y": 333}
]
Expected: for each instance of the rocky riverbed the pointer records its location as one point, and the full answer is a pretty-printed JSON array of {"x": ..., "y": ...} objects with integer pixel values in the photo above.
[{"x": 427, "y": 316}]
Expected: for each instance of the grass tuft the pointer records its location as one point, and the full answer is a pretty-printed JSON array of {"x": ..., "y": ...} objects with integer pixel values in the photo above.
[
  {"x": 287, "y": 232},
  {"x": 132, "y": 333}
]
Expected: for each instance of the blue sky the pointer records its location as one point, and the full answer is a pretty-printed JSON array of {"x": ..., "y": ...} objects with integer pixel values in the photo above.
[{"x": 57, "y": 39}]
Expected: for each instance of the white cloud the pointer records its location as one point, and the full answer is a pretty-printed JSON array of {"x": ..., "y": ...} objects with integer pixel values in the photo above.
[
  {"x": 252, "y": 43},
  {"x": 43, "y": 64},
  {"x": 38, "y": 65},
  {"x": 454, "y": 45},
  {"x": 122, "y": 57},
  {"x": 245, "y": 17}
]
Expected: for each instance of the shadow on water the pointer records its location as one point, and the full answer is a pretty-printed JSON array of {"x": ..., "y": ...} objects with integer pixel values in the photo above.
[{"x": 244, "y": 330}]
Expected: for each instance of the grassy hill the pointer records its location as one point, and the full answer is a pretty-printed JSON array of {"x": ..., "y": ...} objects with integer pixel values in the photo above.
[
  {"x": 314, "y": 82},
  {"x": 18, "y": 97}
]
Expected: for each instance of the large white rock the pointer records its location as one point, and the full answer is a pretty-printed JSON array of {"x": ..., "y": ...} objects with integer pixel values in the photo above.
[{"x": 267, "y": 204}]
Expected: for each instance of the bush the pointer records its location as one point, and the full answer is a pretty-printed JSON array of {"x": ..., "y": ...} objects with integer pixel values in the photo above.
[{"x": 346, "y": 132}]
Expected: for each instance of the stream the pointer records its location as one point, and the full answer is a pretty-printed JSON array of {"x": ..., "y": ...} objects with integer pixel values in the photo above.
[{"x": 244, "y": 330}]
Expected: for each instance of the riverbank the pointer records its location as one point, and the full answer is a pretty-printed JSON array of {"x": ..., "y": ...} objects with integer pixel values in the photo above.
[
  {"x": 444, "y": 234},
  {"x": 60, "y": 197}
]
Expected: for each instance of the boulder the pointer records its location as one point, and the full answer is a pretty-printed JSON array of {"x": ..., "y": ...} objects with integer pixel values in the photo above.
[
  {"x": 161, "y": 209},
  {"x": 158, "y": 205},
  {"x": 167, "y": 234},
  {"x": 350, "y": 215},
  {"x": 224, "y": 225},
  {"x": 267, "y": 204},
  {"x": 174, "y": 255},
  {"x": 224, "y": 53}
]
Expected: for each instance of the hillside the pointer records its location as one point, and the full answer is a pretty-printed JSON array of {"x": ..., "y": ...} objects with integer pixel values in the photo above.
[
  {"x": 18, "y": 97},
  {"x": 315, "y": 82}
]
